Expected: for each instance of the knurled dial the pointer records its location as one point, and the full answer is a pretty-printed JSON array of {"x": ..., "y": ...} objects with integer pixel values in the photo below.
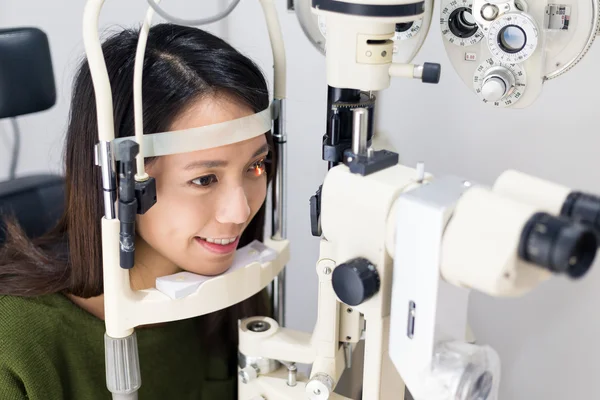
[
  {"x": 499, "y": 84},
  {"x": 457, "y": 23},
  {"x": 512, "y": 38}
]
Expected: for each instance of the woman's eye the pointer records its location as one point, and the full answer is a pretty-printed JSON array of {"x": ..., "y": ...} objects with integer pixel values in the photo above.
[
  {"x": 257, "y": 168},
  {"x": 204, "y": 181}
]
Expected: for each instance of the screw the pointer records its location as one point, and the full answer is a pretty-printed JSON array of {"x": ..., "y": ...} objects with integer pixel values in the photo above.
[
  {"x": 259, "y": 326},
  {"x": 383, "y": 53},
  {"x": 326, "y": 270},
  {"x": 349, "y": 310}
]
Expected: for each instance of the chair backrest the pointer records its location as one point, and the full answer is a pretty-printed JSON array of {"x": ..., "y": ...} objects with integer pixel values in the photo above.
[
  {"x": 35, "y": 201},
  {"x": 26, "y": 75},
  {"x": 27, "y": 86}
]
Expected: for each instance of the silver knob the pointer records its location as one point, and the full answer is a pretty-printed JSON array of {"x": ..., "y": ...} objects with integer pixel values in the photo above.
[
  {"x": 320, "y": 387},
  {"x": 497, "y": 83},
  {"x": 489, "y": 12},
  {"x": 248, "y": 374}
]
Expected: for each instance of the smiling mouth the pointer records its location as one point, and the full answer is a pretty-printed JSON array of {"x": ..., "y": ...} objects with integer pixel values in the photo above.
[
  {"x": 221, "y": 241},
  {"x": 219, "y": 245}
]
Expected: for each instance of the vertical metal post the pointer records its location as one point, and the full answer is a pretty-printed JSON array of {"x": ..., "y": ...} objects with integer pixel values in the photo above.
[
  {"x": 359, "y": 131},
  {"x": 279, "y": 205}
]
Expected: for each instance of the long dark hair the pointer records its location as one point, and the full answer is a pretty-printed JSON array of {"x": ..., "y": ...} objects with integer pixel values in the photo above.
[{"x": 181, "y": 65}]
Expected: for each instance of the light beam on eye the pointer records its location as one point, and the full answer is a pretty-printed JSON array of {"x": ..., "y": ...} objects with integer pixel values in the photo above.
[{"x": 258, "y": 171}]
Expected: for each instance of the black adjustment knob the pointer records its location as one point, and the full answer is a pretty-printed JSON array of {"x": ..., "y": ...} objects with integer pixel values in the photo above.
[
  {"x": 431, "y": 73},
  {"x": 356, "y": 281}
]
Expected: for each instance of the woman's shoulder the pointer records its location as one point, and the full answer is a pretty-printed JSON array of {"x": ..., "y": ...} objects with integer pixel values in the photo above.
[
  {"x": 33, "y": 322},
  {"x": 15, "y": 311}
]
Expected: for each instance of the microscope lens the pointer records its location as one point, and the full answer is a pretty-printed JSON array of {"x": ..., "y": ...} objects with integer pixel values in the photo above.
[
  {"x": 558, "y": 244},
  {"x": 482, "y": 387},
  {"x": 475, "y": 383},
  {"x": 462, "y": 24},
  {"x": 512, "y": 39}
]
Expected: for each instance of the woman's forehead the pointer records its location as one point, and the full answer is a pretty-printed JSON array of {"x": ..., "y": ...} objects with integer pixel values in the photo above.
[{"x": 231, "y": 154}]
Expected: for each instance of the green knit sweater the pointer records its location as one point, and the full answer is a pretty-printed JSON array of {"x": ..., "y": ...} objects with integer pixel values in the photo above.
[{"x": 51, "y": 349}]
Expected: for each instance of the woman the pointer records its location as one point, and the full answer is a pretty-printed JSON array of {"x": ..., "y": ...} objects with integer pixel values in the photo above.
[{"x": 51, "y": 304}]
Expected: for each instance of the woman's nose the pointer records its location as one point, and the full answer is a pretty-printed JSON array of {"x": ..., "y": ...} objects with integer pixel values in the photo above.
[{"x": 234, "y": 207}]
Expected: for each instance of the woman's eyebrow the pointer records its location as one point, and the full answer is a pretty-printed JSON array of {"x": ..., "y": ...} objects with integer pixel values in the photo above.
[
  {"x": 221, "y": 163},
  {"x": 262, "y": 149}
]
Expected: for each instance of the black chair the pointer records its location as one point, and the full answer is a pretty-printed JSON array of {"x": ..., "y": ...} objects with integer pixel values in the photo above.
[{"x": 27, "y": 86}]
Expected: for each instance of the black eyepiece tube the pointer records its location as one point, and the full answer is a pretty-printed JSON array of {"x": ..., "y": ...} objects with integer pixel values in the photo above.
[
  {"x": 127, "y": 202},
  {"x": 558, "y": 244},
  {"x": 584, "y": 208}
]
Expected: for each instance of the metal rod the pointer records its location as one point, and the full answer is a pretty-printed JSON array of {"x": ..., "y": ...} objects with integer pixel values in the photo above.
[
  {"x": 360, "y": 124},
  {"x": 16, "y": 148},
  {"x": 292, "y": 372},
  {"x": 279, "y": 205},
  {"x": 105, "y": 160}
]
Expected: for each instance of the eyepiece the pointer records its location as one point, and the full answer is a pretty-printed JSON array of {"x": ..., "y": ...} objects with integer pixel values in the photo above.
[
  {"x": 584, "y": 208},
  {"x": 558, "y": 244},
  {"x": 462, "y": 24}
]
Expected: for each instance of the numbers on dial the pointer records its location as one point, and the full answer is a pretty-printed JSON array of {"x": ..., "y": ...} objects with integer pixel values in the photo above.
[
  {"x": 408, "y": 30},
  {"x": 512, "y": 38},
  {"x": 514, "y": 93},
  {"x": 457, "y": 23}
]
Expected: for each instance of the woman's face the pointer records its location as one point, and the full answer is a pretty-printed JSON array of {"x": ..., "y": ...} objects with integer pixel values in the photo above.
[{"x": 205, "y": 198}]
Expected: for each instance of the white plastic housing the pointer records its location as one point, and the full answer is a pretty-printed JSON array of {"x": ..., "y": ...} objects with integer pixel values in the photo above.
[
  {"x": 353, "y": 62},
  {"x": 425, "y": 310},
  {"x": 408, "y": 44},
  {"x": 280, "y": 344},
  {"x": 480, "y": 246},
  {"x": 546, "y": 195},
  {"x": 354, "y": 217}
]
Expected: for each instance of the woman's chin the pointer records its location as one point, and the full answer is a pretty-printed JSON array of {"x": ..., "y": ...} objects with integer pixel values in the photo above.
[{"x": 211, "y": 268}]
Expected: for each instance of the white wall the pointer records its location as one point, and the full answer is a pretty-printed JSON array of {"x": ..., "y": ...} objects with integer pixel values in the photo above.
[{"x": 548, "y": 339}]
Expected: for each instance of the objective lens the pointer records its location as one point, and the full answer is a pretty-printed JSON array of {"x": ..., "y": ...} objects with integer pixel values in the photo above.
[
  {"x": 558, "y": 244},
  {"x": 461, "y": 23},
  {"x": 482, "y": 388},
  {"x": 475, "y": 384},
  {"x": 512, "y": 39}
]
